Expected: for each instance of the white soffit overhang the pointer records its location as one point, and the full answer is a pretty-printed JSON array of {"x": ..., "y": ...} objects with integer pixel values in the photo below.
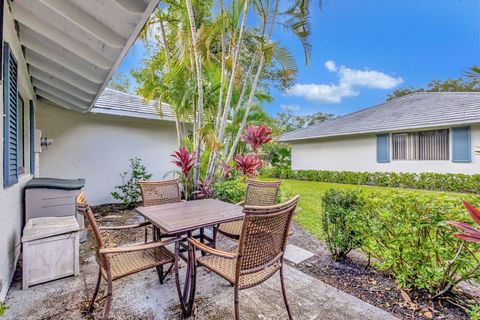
[{"x": 72, "y": 47}]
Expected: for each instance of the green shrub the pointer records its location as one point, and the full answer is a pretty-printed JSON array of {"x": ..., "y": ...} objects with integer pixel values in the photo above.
[
  {"x": 232, "y": 191},
  {"x": 408, "y": 236},
  {"x": 341, "y": 221},
  {"x": 406, "y": 233},
  {"x": 3, "y": 308},
  {"x": 426, "y": 181},
  {"x": 129, "y": 192}
]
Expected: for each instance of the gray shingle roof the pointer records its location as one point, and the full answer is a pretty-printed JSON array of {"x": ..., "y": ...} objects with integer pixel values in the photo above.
[
  {"x": 414, "y": 111},
  {"x": 123, "y": 104}
]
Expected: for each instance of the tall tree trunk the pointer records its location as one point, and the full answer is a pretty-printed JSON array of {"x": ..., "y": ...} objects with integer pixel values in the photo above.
[
  {"x": 226, "y": 109},
  {"x": 179, "y": 132},
  {"x": 247, "y": 108},
  {"x": 199, "y": 74},
  {"x": 236, "y": 52},
  {"x": 254, "y": 88},
  {"x": 246, "y": 80},
  {"x": 167, "y": 56},
  {"x": 222, "y": 75},
  {"x": 213, "y": 161}
]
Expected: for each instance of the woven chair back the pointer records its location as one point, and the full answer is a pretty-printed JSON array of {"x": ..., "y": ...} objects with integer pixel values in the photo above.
[
  {"x": 84, "y": 208},
  {"x": 160, "y": 192},
  {"x": 261, "y": 193},
  {"x": 264, "y": 235}
]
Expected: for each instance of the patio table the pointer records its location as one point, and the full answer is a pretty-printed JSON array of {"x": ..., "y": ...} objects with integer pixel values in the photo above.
[{"x": 186, "y": 217}]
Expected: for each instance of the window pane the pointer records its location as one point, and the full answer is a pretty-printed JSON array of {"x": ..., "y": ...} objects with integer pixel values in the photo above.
[
  {"x": 423, "y": 145},
  {"x": 434, "y": 145}
]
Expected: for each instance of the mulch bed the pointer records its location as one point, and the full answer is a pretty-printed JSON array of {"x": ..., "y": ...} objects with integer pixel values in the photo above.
[{"x": 377, "y": 288}]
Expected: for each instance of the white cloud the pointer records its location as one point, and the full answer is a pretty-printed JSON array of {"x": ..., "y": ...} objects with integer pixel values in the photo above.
[
  {"x": 290, "y": 107},
  {"x": 329, "y": 93},
  {"x": 368, "y": 78},
  {"x": 330, "y": 65},
  {"x": 349, "y": 80}
]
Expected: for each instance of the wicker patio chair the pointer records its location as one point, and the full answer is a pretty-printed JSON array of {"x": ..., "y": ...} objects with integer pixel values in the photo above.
[
  {"x": 163, "y": 192},
  {"x": 258, "y": 193},
  {"x": 160, "y": 192},
  {"x": 259, "y": 254},
  {"x": 118, "y": 262}
]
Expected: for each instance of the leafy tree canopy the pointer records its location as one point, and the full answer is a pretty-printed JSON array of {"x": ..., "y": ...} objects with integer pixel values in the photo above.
[
  {"x": 471, "y": 83},
  {"x": 120, "y": 82},
  {"x": 288, "y": 121}
]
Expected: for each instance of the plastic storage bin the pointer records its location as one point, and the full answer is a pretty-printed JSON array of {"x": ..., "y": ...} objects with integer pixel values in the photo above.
[
  {"x": 50, "y": 249},
  {"x": 52, "y": 197}
]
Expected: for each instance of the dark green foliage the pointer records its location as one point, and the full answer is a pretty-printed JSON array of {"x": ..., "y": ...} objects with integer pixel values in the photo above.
[
  {"x": 406, "y": 233},
  {"x": 470, "y": 84},
  {"x": 408, "y": 237},
  {"x": 278, "y": 154},
  {"x": 341, "y": 221},
  {"x": 3, "y": 308},
  {"x": 426, "y": 181},
  {"x": 232, "y": 191},
  {"x": 129, "y": 192}
]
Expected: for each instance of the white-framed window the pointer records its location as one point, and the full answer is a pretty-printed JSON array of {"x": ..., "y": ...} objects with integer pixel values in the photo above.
[{"x": 421, "y": 145}]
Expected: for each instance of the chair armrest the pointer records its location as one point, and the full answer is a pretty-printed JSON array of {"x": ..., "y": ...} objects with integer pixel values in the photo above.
[
  {"x": 141, "y": 247},
  {"x": 241, "y": 203},
  {"x": 130, "y": 226},
  {"x": 215, "y": 252}
]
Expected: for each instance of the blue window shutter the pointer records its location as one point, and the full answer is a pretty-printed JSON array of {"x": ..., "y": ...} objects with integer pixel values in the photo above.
[
  {"x": 10, "y": 120},
  {"x": 32, "y": 138},
  {"x": 383, "y": 148},
  {"x": 461, "y": 144}
]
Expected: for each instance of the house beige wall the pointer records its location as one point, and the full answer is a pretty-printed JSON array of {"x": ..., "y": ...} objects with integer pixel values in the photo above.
[
  {"x": 11, "y": 208},
  {"x": 97, "y": 147},
  {"x": 358, "y": 153}
]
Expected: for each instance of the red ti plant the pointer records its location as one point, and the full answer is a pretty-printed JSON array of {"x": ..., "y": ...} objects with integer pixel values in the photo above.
[
  {"x": 226, "y": 169},
  {"x": 204, "y": 189},
  {"x": 248, "y": 164},
  {"x": 185, "y": 161},
  {"x": 256, "y": 136},
  {"x": 470, "y": 233}
]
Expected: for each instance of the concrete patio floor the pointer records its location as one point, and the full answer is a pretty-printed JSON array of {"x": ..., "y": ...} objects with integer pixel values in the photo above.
[{"x": 142, "y": 297}]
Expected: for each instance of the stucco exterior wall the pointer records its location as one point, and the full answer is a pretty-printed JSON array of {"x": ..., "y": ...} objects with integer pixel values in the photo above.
[
  {"x": 358, "y": 153},
  {"x": 11, "y": 208},
  {"x": 97, "y": 147}
]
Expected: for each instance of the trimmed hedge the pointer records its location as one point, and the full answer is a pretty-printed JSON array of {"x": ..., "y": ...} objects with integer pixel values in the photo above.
[
  {"x": 425, "y": 181},
  {"x": 406, "y": 233}
]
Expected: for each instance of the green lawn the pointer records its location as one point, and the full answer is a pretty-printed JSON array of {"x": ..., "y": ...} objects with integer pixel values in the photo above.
[{"x": 311, "y": 199}]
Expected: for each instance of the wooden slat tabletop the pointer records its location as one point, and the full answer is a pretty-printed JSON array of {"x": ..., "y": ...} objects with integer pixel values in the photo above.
[{"x": 190, "y": 215}]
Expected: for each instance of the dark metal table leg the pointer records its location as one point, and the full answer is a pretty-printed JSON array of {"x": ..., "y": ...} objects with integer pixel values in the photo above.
[
  {"x": 187, "y": 297},
  {"x": 202, "y": 238}
]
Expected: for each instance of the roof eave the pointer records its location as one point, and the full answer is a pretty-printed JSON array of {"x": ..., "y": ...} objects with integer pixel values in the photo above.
[
  {"x": 133, "y": 37},
  {"x": 432, "y": 126}
]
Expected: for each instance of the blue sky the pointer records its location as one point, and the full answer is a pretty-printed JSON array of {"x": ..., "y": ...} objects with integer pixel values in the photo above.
[{"x": 373, "y": 47}]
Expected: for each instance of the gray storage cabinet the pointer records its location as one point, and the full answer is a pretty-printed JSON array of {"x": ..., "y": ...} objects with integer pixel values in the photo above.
[
  {"x": 50, "y": 249},
  {"x": 51, "y": 197}
]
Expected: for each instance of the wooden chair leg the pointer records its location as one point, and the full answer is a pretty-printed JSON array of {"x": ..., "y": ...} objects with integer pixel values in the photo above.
[
  {"x": 95, "y": 292},
  {"x": 108, "y": 303},
  {"x": 236, "y": 302},
  {"x": 160, "y": 273},
  {"x": 284, "y": 293}
]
